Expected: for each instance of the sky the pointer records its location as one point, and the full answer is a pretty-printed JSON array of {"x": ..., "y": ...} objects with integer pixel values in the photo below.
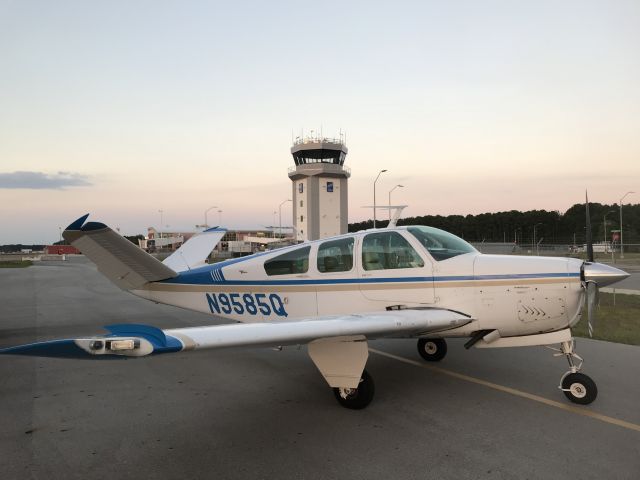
[{"x": 124, "y": 108}]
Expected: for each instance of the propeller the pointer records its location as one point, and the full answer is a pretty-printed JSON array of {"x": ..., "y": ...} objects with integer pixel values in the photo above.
[
  {"x": 589, "y": 237},
  {"x": 592, "y": 301},
  {"x": 591, "y": 286}
]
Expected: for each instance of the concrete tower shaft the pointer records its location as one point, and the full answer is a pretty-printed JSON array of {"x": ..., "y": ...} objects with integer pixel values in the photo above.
[{"x": 320, "y": 187}]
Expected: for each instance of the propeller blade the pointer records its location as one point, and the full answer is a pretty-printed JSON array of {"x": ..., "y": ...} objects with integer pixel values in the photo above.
[
  {"x": 592, "y": 300},
  {"x": 589, "y": 238}
]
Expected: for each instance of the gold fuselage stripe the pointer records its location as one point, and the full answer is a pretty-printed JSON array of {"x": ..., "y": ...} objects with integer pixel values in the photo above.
[{"x": 214, "y": 287}]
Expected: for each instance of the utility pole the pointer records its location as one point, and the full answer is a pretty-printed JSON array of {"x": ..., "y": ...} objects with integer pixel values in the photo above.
[
  {"x": 621, "y": 243},
  {"x": 374, "y": 197}
]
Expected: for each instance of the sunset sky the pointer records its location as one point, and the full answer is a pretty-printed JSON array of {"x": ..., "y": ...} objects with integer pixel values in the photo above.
[{"x": 122, "y": 108}]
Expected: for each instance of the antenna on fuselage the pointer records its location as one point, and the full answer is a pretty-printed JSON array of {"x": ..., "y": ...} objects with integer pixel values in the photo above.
[{"x": 396, "y": 212}]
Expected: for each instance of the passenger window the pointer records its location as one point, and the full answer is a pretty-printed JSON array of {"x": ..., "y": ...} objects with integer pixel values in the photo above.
[
  {"x": 295, "y": 261},
  {"x": 388, "y": 251},
  {"x": 336, "y": 256}
]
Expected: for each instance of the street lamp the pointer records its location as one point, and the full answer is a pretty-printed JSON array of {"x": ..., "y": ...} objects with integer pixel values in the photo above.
[
  {"x": 534, "y": 235},
  {"x": 274, "y": 223},
  {"x": 621, "y": 244},
  {"x": 401, "y": 186},
  {"x": 374, "y": 196},
  {"x": 160, "y": 232},
  {"x": 206, "y": 224},
  {"x": 280, "y": 217}
]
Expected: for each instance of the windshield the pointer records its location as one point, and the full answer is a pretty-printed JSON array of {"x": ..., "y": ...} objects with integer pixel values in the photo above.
[{"x": 441, "y": 245}]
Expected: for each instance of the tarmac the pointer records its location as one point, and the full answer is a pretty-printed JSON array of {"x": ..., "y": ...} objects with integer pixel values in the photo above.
[{"x": 262, "y": 413}]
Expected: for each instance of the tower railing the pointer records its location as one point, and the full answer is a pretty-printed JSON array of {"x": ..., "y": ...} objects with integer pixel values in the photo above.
[
  {"x": 328, "y": 167},
  {"x": 305, "y": 140}
]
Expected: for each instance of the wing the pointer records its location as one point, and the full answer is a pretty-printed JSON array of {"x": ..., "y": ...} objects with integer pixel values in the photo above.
[
  {"x": 140, "y": 340},
  {"x": 193, "y": 252},
  {"x": 117, "y": 258}
]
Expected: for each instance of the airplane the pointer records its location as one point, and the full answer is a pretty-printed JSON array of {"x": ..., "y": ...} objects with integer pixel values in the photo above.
[{"x": 336, "y": 294}]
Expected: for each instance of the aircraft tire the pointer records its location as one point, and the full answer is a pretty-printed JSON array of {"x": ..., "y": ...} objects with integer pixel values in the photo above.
[
  {"x": 579, "y": 388},
  {"x": 432, "y": 349},
  {"x": 357, "y": 398}
]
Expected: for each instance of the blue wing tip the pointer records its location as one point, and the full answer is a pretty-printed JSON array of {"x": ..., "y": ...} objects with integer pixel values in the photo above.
[
  {"x": 87, "y": 227},
  {"x": 77, "y": 225},
  {"x": 53, "y": 348},
  {"x": 215, "y": 229}
]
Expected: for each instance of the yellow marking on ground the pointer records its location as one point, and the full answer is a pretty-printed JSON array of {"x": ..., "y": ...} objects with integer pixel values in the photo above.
[{"x": 518, "y": 393}]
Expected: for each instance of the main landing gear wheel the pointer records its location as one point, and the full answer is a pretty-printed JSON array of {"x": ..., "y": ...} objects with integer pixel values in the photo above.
[
  {"x": 432, "y": 349},
  {"x": 356, "y": 398},
  {"x": 579, "y": 388}
]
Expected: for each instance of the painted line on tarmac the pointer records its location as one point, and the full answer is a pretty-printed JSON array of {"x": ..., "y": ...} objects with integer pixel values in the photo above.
[{"x": 518, "y": 393}]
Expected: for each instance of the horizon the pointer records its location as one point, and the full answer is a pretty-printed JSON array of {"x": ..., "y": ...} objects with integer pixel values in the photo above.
[
  {"x": 124, "y": 109},
  {"x": 288, "y": 226}
]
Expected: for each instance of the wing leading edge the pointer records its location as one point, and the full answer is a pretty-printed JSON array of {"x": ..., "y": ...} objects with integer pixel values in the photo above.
[{"x": 132, "y": 340}]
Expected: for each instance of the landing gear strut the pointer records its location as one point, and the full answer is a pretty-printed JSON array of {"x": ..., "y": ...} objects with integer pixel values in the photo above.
[
  {"x": 432, "y": 349},
  {"x": 578, "y": 387},
  {"x": 356, "y": 398}
]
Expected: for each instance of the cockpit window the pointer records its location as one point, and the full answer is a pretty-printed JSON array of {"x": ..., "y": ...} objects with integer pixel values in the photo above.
[
  {"x": 294, "y": 261},
  {"x": 336, "y": 255},
  {"x": 441, "y": 245},
  {"x": 387, "y": 251}
]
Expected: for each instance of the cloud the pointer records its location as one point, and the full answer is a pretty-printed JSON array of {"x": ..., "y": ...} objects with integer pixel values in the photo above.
[{"x": 43, "y": 181}]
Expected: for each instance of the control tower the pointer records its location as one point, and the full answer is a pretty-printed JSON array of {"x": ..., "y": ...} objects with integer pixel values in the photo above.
[{"x": 320, "y": 191}]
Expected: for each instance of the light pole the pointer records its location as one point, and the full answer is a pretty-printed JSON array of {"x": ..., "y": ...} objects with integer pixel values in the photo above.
[
  {"x": 206, "y": 225},
  {"x": 219, "y": 217},
  {"x": 374, "y": 196},
  {"x": 280, "y": 217},
  {"x": 621, "y": 244},
  {"x": 160, "y": 230},
  {"x": 534, "y": 236},
  {"x": 274, "y": 223},
  {"x": 401, "y": 186}
]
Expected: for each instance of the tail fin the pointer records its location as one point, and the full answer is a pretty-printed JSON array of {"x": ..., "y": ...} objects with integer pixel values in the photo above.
[
  {"x": 117, "y": 258},
  {"x": 193, "y": 252}
]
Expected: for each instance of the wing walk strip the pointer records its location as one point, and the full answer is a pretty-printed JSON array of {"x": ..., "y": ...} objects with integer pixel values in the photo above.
[{"x": 513, "y": 391}]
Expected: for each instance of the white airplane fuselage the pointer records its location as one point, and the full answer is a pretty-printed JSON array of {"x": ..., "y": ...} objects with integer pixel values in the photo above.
[
  {"x": 336, "y": 294},
  {"x": 515, "y": 295}
]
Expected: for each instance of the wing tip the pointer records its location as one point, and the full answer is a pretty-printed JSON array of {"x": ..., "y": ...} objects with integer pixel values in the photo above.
[{"x": 77, "y": 225}]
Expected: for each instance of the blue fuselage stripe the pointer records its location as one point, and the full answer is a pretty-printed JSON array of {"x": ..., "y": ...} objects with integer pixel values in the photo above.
[{"x": 202, "y": 280}]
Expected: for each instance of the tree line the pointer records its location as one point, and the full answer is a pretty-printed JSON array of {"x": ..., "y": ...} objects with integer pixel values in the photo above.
[{"x": 515, "y": 226}]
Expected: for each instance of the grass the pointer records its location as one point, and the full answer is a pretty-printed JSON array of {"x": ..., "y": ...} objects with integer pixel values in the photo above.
[
  {"x": 618, "y": 323},
  {"x": 16, "y": 264}
]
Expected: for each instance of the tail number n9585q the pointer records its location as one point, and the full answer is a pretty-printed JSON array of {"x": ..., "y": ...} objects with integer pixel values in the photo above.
[{"x": 251, "y": 303}]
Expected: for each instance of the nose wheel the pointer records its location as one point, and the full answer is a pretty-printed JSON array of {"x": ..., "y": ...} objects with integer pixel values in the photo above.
[{"x": 577, "y": 387}]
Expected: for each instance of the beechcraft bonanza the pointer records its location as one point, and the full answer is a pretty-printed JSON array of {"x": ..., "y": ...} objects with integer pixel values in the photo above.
[{"x": 338, "y": 293}]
